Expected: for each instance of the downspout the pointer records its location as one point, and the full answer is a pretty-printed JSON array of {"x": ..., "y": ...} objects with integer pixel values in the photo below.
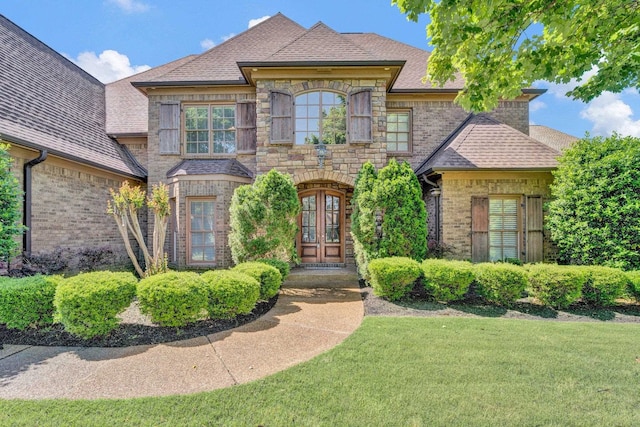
[
  {"x": 26, "y": 214},
  {"x": 435, "y": 192}
]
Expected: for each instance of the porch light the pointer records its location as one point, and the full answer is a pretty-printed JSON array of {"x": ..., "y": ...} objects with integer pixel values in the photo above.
[{"x": 321, "y": 150}]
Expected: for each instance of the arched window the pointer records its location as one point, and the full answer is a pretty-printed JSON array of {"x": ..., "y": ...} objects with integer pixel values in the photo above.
[{"x": 321, "y": 116}]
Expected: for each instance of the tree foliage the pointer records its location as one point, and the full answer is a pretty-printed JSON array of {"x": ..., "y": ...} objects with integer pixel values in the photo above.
[
  {"x": 124, "y": 206},
  {"x": 264, "y": 219},
  {"x": 10, "y": 206},
  {"x": 497, "y": 48},
  {"x": 389, "y": 217},
  {"x": 595, "y": 215}
]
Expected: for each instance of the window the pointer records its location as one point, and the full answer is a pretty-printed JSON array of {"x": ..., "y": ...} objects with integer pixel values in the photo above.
[
  {"x": 320, "y": 117},
  {"x": 210, "y": 129},
  {"x": 503, "y": 228},
  {"x": 398, "y": 131},
  {"x": 201, "y": 231}
]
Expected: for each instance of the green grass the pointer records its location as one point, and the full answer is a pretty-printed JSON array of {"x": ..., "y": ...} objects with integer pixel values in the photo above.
[{"x": 405, "y": 372}]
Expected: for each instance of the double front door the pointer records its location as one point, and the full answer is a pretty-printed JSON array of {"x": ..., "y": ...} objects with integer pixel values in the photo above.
[{"x": 321, "y": 225}]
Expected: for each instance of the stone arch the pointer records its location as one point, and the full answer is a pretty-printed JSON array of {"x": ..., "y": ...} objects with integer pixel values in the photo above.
[
  {"x": 322, "y": 175},
  {"x": 311, "y": 85}
]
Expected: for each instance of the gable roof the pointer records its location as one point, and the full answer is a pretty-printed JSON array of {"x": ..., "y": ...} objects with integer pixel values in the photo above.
[
  {"x": 127, "y": 107},
  {"x": 483, "y": 143},
  {"x": 47, "y": 102},
  {"x": 552, "y": 137}
]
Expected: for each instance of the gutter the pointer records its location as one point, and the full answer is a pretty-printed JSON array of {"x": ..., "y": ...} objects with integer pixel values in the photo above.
[{"x": 26, "y": 216}]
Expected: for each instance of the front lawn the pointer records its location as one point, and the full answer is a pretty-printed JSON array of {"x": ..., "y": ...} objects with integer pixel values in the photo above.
[{"x": 410, "y": 371}]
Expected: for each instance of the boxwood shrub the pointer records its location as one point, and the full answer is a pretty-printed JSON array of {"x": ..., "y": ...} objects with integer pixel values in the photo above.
[
  {"x": 173, "y": 298},
  {"x": 447, "y": 280},
  {"x": 87, "y": 304},
  {"x": 230, "y": 293},
  {"x": 604, "y": 285},
  {"x": 28, "y": 301},
  {"x": 392, "y": 278},
  {"x": 269, "y": 277},
  {"x": 634, "y": 284},
  {"x": 556, "y": 286},
  {"x": 283, "y": 267},
  {"x": 500, "y": 283}
]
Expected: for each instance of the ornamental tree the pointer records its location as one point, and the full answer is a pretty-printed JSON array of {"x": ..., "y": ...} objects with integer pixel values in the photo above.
[
  {"x": 10, "y": 206},
  {"x": 264, "y": 219},
  {"x": 498, "y": 48},
  {"x": 594, "y": 216},
  {"x": 124, "y": 207}
]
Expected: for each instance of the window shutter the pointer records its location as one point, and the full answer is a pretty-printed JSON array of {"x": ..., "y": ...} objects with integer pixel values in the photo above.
[
  {"x": 479, "y": 229},
  {"x": 535, "y": 225},
  {"x": 246, "y": 127},
  {"x": 281, "y": 117},
  {"x": 360, "y": 117},
  {"x": 169, "y": 132}
]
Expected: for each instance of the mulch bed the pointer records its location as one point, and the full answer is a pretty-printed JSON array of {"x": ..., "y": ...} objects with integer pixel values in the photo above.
[{"x": 135, "y": 329}]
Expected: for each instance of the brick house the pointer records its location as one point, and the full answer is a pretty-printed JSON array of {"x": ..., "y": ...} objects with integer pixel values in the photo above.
[{"x": 206, "y": 124}]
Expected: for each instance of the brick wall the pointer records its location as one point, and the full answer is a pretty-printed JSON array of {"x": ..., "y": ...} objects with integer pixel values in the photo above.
[{"x": 459, "y": 187}]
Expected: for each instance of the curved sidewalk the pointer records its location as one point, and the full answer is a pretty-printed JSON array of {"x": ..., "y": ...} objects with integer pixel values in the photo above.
[{"x": 307, "y": 320}]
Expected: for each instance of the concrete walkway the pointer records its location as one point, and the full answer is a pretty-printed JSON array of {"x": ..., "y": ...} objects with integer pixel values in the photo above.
[{"x": 314, "y": 313}]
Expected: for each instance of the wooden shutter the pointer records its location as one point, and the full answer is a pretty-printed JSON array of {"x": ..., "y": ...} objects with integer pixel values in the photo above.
[
  {"x": 479, "y": 229},
  {"x": 246, "y": 127},
  {"x": 534, "y": 232},
  {"x": 360, "y": 117},
  {"x": 281, "y": 117},
  {"x": 169, "y": 132}
]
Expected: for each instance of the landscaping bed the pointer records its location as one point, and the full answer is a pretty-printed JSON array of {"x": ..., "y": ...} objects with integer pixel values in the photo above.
[{"x": 135, "y": 329}]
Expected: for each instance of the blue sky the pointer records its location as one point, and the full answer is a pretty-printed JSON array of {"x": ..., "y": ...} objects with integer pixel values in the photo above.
[{"x": 114, "y": 38}]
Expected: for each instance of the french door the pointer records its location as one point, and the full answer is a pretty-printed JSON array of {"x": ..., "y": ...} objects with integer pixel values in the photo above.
[{"x": 321, "y": 225}]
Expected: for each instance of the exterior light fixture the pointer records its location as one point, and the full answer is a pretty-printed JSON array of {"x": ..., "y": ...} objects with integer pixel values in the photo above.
[{"x": 321, "y": 150}]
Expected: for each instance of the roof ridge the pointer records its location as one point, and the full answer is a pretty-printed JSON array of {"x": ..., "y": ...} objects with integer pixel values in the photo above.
[{"x": 141, "y": 73}]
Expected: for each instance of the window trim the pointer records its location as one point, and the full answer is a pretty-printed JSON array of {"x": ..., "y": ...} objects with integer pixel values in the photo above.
[
  {"x": 188, "y": 201},
  {"x": 409, "y": 151},
  {"x": 295, "y": 116},
  {"x": 519, "y": 213},
  {"x": 210, "y": 129}
]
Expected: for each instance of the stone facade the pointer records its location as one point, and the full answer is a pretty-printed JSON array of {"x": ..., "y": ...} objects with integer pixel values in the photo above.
[{"x": 455, "y": 204}]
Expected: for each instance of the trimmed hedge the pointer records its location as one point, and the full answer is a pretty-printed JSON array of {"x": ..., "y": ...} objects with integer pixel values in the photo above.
[
  {"x": 173, "y": 298},
  {"x": 283, "y": 267},
  {"x": 87, "y": 304},
  {"x": 269, "y": 277},
  {"x": 447, "y": 280},
  {"x": 500, "y": 283},
  {"x": 28, "y": 301},
  {"x": 634, "y": 284},
  {"x": 392, "y": 278},
  {"x": 556, "y": 286},
  {"x": 604, "y": 285},
  {"x": 230, "y": 293}
]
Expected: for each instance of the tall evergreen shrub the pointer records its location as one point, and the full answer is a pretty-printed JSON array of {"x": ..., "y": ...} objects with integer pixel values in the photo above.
[{"x": 10, "y": 206}]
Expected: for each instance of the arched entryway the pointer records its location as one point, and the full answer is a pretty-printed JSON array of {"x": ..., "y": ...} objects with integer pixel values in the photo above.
[{"x": 322, "y": 225}]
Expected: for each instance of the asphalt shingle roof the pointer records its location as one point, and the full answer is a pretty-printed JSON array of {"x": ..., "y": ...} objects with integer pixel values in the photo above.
[
  {"x": 209, "y": 167},
  {"x": 47, "y": 102},
  {"x": 481, "y": 142},
  {"x": 553, "y": 138}
]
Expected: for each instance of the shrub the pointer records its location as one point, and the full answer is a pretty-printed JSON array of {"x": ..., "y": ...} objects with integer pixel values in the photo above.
[
  {"x": 87, "y": 304},
  {"x": 500, "y": 283},
  {"x": 283, "y": 267},
  {"x": 604, "y": 285},
  {"x": 392, "y": 278},
  {"x": 230, "y": 293},
  {"x": 447, "y": 280},
  {"x": 634, "y": 284},
  {"x": 173, "y": 298},
  {"x": 555, "y": 285},
  {"x": 10, "y": 206},
  {"x": 28, "y": 301},
  {"x": 269, "y": 277}
]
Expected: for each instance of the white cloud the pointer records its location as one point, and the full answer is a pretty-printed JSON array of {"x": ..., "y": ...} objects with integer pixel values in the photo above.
[
  {"x": 560, "y": 89},
  {"x": 207, "y": 44},
  {"x": 609, "y": 113},
  {"x": 536, "y": 105},
  {"x": 253, "y": 22},
  {"x": 109, "y": 66},
  {"x": 228, "y": 36},
  {"x": 131, "y": 6}
]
